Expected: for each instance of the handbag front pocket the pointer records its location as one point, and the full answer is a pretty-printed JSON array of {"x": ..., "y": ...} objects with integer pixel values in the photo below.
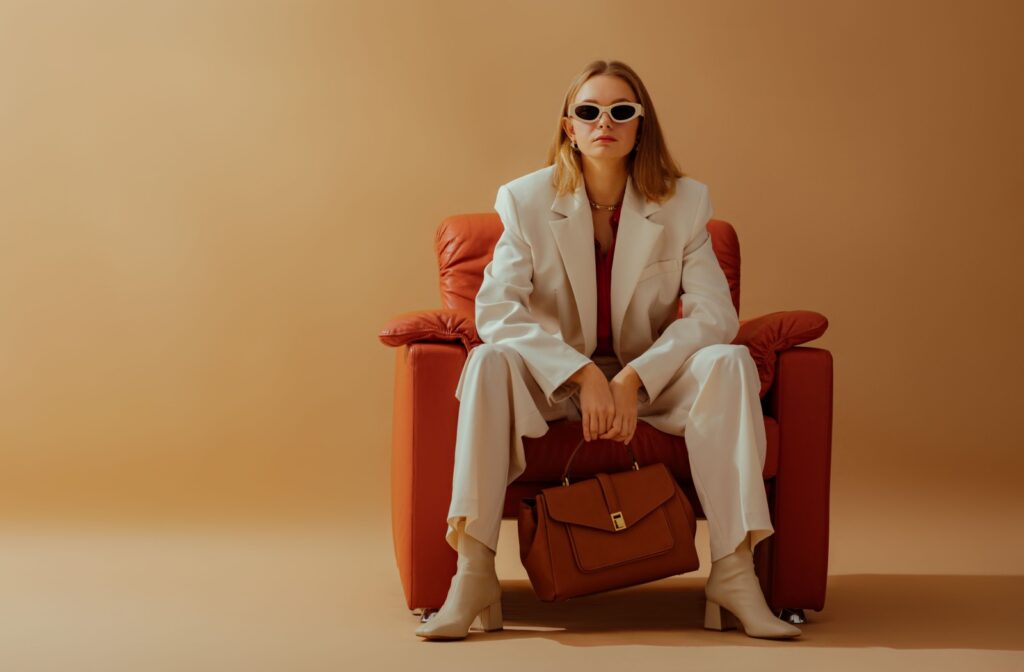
[
  {"x": 597, "y": 541},
  {"x": 596, "y": 549}
]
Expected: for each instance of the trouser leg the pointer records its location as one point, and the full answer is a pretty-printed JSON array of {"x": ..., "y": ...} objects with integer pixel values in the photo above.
[
  {"x": 714, "y": 402},
  {"x": 499, "y": 403}
]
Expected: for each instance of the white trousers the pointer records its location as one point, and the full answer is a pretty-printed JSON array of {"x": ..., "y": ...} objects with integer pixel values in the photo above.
[{"x": 713, "y": 399}]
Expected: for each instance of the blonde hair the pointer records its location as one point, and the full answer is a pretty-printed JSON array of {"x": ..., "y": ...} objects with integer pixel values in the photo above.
[{"x": 650, "y": 164}]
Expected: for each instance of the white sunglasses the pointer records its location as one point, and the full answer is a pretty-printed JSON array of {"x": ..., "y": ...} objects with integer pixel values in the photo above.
[{"x": 619, "y": 112}]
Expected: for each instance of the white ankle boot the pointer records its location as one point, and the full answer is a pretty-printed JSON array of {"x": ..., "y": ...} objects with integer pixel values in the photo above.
[
  {"x": 733, "y": 587},
  {"x": 475, "y": 592}
]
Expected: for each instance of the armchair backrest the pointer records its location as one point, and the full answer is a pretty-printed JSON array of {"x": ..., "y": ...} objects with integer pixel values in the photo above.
[{"x": 465, "y": 244}]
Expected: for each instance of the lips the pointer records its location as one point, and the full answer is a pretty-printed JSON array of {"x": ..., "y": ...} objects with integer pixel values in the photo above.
[{"x": 606, "y": 138}]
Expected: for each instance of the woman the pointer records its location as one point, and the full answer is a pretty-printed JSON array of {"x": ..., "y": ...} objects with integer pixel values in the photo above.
[{"x": 567, "y": 334}]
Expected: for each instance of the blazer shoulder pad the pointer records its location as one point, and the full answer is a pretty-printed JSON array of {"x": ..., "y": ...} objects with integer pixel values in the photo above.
[
  {"x": 526, "y": 186},
  {"x": 687, "y": 184}
]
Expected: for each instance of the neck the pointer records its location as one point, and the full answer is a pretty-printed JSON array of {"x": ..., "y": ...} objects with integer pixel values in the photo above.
[{"x": 605, "y": 182}]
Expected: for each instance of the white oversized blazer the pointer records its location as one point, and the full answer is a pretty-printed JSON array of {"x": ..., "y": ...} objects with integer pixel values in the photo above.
[{"x": 539, "y": 291}]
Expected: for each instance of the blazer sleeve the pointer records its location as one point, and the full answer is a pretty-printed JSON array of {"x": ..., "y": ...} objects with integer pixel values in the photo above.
[
  {"x": 708, "y": 313},
  {"x": 502, "y": 317}
]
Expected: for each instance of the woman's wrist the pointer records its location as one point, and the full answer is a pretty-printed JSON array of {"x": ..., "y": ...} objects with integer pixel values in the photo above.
[
  {"x": 583, "y": 372},
  {"x": 629, "y": 376}
]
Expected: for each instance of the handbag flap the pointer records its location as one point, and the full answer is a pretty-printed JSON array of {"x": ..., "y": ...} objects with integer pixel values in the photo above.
[{"x": 637, "y": 492}]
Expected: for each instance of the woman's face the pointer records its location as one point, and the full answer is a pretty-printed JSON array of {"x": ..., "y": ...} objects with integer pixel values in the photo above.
[{"x": 603, "y": 90}]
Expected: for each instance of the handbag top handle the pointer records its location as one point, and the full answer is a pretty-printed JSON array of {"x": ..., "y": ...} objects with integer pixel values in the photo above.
[{"x": 565, "y": 473}]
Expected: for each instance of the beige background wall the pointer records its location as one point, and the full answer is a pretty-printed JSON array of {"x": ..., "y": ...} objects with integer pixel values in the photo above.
[{"x": 209, "y": 209}]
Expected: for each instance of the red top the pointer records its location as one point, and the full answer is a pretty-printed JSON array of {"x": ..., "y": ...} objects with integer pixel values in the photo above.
[{"x": 604, "y": 290}]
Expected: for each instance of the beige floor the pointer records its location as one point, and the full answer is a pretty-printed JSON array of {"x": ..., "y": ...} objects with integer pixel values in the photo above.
[{"x": 327, "y": 597}]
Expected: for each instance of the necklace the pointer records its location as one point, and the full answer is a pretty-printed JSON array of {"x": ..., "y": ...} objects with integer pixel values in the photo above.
[{"x": 605, "y": 207}]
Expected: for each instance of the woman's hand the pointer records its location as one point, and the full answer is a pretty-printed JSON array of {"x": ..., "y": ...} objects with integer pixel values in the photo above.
[
  {"x": 623, "y": 388},
  {"x": 597, "y": 403}
]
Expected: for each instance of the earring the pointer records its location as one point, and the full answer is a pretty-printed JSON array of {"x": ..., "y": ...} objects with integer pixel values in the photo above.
[{"x": 575, "y": 147}]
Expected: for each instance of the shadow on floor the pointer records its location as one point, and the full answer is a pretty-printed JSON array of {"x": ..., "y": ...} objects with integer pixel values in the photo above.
[{"x": 861, "y": 610}]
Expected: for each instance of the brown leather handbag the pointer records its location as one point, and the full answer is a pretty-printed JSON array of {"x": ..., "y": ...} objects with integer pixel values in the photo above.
[{"x": 607, "y": 532}]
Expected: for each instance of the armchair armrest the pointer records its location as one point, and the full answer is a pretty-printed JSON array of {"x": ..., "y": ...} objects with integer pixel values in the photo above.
[
  {"x": 430, "y": 325},
  {"x": 770, "y": 334}
]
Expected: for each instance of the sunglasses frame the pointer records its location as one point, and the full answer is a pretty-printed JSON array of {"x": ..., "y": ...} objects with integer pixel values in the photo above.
[{"x": 638, "y": 111}]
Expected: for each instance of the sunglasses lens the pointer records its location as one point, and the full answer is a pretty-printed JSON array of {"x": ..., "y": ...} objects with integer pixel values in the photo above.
[
  {"x": 623, "y": 112},
  {"x": 586, "y": 112}
]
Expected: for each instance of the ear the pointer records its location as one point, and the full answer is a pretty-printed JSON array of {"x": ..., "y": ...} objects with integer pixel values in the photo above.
[{"x": 567, "y": 126}]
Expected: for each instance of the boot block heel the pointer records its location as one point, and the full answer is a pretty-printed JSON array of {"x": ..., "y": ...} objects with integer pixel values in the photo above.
[
  {"x": 718, "y": 618},
  {"x": 490, "y": 618}
]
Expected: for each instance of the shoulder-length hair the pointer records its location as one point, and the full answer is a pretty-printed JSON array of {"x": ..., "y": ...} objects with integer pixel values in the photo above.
[{"x": 650, "y": 164}]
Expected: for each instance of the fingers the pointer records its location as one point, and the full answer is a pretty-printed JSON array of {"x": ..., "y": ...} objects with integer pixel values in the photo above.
[
  {"x": 598, "y": 409},
  {"x": 598, "y": 422},
  {"x": 592, "y": 426},
  {"x": 622, "y": 421},
  {"x": 626, "y": 431},
  {"x": 615, "y": 430},
  {"x": 622, "y": 429}
]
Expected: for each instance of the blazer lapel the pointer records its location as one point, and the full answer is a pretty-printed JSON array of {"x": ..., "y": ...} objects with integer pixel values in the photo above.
[
  {"x": 574, "y": 235},
  {"x": 634, "y": 241}
]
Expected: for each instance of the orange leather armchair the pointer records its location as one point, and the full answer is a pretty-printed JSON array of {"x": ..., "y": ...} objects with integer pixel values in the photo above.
[{"x": 432, "y": 346}]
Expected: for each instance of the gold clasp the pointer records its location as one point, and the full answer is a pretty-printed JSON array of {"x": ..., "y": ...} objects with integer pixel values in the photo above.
[{"x": 617, "y": 521}]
